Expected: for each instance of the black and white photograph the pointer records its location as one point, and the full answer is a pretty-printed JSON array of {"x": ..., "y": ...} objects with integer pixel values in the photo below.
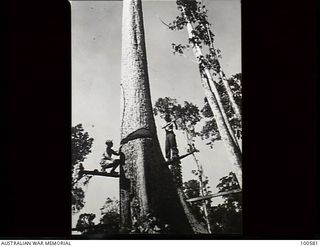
[
  {"x": 156, "y": 117},
  {"x": 151, "y": 120}
]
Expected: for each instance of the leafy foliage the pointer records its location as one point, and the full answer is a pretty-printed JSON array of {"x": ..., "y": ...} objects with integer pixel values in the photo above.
[
  {"x": 81, "y": 144},
  {"x": 235, "y": 83},
  {"x": 204, "y": 180},
  {"x": 81, "y": 147},
  {"x": 210, "y": 130},
  {"x": 85, "y": 223},
  {"x": 187, "y": 115},
  {"x": 226, "y": 218},
  {"x": 196, "y": 13},
  {"x": 191, "y": 189},
  {"x": 110, "y": 213},
  {"x": 178, "y": 48},
  {"x": 149, "y": 224},
  {"x": 77, "y": 199},
  {"x": 109, "y": 221}
]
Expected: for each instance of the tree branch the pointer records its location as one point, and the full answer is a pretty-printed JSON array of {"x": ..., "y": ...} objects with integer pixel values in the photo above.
[
  {"x": 163, "y": 22},
  {"x": 97, "y": 173},
  {"x": 181, "y": 157},
  {"x": 213, "y": 195}
]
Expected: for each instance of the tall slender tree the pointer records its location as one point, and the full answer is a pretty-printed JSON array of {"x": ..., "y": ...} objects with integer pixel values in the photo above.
[
  {"x": 222, "y": 76},
  {"x": 146, "y": 183},
  {"x": 191, "y": 12},
  {"x": 210, "y": 130}
]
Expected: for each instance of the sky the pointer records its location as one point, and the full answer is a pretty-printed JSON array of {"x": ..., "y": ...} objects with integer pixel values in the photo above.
[{"x": 96, "y": 58}]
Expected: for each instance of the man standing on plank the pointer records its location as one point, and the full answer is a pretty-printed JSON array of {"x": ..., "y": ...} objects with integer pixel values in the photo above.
[{"x": 170, "y": 144}]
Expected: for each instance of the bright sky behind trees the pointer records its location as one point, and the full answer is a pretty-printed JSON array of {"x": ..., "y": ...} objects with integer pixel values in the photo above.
[{"x": 96, "y": 54}]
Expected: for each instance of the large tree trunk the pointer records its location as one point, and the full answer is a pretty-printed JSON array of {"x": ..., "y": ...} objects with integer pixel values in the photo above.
[
  {"x": 216, "y": 106},
  {"x": 146, "y": 183}
]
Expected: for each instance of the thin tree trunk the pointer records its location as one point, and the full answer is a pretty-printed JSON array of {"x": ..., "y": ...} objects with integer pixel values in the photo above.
[
  {"x": 202, "y": 188},
  {"x": 146, "y": 183},
  {"x": 224, "y": 80},
  {"x": 197, "y": 52},
  {"x": 216, "y": 106},
  {"x": 234, "y": 105},
  {"x": 214, "y": 90},
  {"x": 232, "y": 149}
]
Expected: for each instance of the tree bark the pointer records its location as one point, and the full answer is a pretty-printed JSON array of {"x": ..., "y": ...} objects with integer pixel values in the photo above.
[{"x": 146, "y": 183}]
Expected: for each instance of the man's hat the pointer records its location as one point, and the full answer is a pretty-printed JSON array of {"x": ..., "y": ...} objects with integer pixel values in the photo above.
[
  {"x": 109, "y": 141},
  {"x": 167, "y": 117}
]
